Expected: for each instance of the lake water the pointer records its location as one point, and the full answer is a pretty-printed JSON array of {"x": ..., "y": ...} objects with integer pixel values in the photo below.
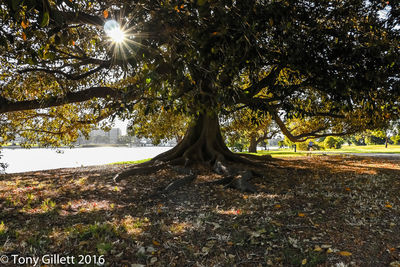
[{"x": 22, "y": 160}]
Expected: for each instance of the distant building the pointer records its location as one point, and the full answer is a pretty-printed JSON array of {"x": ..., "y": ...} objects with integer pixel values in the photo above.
[
  {"x": 101, "y": 137},
  {"x": 114, "y": 134}
]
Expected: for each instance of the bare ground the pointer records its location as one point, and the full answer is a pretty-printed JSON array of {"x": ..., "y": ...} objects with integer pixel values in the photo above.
[{"x": 317, "y": 211}]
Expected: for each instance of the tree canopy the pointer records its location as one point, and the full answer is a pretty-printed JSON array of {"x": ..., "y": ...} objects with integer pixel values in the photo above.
[{"x": 333, "y": 62}]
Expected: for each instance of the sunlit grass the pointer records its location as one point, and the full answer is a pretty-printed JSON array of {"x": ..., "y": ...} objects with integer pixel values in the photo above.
[
  {"x": 280, "y": 153},
  {"x": 130, "y": 162},
  {"x": 392, "y": 149}
]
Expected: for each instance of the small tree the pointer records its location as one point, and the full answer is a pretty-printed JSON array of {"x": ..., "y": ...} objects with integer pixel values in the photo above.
[
  {"x": 332, "y": 142},
  {"x": 252, "y": 126}
]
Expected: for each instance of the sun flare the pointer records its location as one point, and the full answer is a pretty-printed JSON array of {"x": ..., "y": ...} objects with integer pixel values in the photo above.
[{"x": 114, "y": 31}]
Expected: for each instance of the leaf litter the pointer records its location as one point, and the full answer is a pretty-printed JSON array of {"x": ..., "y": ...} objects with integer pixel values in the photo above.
[{"x": 317, "y": 211}]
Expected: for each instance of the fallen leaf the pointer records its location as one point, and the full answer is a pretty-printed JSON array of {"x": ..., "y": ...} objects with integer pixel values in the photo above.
[
  {"x": 278, "y": 206},
  {"x": 345, "y": 253},
  {"x": 317, "y": 248},
  {"x": 301, "y": 214},
  {"x": 304, "y": 262},
  {"x": 156, "y": 243}
]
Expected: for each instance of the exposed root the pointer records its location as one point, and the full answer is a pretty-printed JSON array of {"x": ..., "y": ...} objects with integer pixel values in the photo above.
[
  {"x": 202, "y": 145},
  {"x": 241, "y": 182},
  {"x": 140, "y": 169},
  {"x": 234, "y": 178},
  {"x": 180, "y": 183}
]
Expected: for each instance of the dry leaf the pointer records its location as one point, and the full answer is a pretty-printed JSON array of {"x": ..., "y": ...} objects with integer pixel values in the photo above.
[
  {"x": 156, "y": 243},
  {"x": 301, "y": 214},
  {"x": 317, "y": 248},
  {"x": 24, "y": 36},
  {"x": 105, "y": 13},
  {"x": 345, "y": 253},
  {"x": 304, "y": 262},
  {"x": 278, "y": 206},
  {"x": 24, "y": 24}
]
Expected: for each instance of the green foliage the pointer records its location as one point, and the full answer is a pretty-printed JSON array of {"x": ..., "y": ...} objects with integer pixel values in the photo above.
[
  {"x": 396, "y": 139},
  {"x": 374, "y": 140},
  {"x": 333, "y": 142},
  {"x": 245, "y": 126},
  {"x": 158, "y": 124},
  {"x": 330, "y": 142}
]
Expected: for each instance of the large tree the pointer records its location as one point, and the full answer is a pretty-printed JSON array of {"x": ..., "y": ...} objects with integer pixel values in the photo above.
[{"x": 334, "y": 61}]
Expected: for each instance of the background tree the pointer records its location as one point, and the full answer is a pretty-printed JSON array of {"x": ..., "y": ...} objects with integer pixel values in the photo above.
[
  {"x": 334, "y": 61},
  {"x": 250, "y": 126}
]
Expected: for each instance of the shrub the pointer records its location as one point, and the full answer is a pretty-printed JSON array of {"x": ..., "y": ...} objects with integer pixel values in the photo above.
[
  {"x": 332, "y": 142},
  {"x": 304, "y": 145},
  {"x": 396, "y": 139}
]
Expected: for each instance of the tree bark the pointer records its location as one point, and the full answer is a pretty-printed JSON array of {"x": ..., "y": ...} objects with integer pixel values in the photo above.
[
  {"x": 253, "y": 145},
  {"x": 202, "y": 143}
]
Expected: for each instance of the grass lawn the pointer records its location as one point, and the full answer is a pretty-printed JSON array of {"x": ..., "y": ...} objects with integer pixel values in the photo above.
[
  {"x": 283, "y": 153},
  {"x": 315, "y": 211},
  {"x": 368, "y": 149},
  {"x": 130, "y": 162}
]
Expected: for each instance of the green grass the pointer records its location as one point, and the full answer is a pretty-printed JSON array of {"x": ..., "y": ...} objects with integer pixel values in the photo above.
[
  {"x": 392, "y": 149},
  {"x": 281, "y": 153},
  {"x": 130, "y": 162}
]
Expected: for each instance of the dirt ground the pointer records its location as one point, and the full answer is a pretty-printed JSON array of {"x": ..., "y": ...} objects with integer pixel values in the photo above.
[{"x": 315, "y": 211}]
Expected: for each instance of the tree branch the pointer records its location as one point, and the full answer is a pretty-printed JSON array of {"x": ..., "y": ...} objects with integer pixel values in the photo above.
[
  {"x": 267, "y": 81},
  {"x": 51, "y": 101},
  {"x": 301, "y": 137},
  {"x": 72, "y": 77},
  {"x": 79, "y": 18}
]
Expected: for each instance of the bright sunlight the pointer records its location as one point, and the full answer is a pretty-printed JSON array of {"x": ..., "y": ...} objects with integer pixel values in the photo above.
[{"x": 114, "y": 31}]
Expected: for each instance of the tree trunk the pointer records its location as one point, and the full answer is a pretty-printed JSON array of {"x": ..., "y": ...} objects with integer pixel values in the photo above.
[
  {"x": 202, "y": 143},
  {"x": 253, "y": 145},
  {"x": 386, "y": 142}
]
